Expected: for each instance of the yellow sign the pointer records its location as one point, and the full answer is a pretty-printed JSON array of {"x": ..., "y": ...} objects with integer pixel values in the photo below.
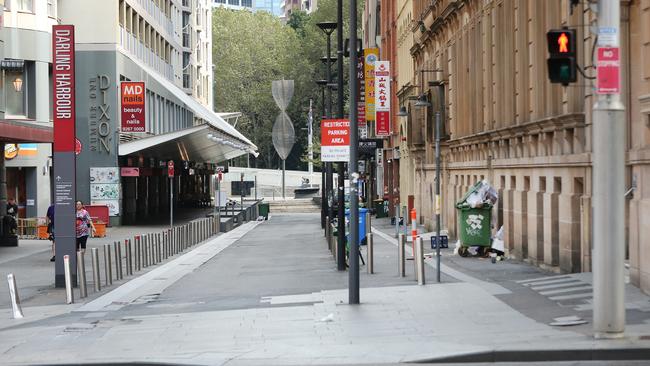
[
  {"x": 371, "y": 55},
  {"x": 11, "y": 151}
]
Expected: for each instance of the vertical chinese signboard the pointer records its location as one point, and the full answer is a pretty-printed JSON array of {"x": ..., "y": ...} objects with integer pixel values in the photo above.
[
  {"x": 335, "y": 140},
  {"x": 63, "y": 102},
  {"x": 361, "y": 98},
  {"x": 132, "y": 97},
  {"x": 370, "y": 57},
  {"x": 382, "y": 98}
]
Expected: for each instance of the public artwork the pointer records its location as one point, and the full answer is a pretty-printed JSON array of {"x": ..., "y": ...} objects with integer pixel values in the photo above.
[
  {"x": 105, "y": 175},
  {"x": 104, "y": 191}
]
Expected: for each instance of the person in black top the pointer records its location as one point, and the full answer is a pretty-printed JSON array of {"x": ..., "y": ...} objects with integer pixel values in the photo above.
[
  {"x": 50, "y": 228},
  {"x": 12, "y": 208}
]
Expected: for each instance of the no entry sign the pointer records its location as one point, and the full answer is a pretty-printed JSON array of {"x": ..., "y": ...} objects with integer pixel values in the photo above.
[{"x": 335, "y": 140}]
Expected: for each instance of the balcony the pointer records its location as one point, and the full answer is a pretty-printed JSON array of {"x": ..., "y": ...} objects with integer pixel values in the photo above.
[
  {"x": 135, "y": 48},
  {"x": 187, "y": 82}
]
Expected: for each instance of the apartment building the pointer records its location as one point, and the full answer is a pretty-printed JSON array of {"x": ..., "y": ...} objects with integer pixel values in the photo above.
[
  {"x": 235, "y": 4},
  {"x": 167, "y": 45}
]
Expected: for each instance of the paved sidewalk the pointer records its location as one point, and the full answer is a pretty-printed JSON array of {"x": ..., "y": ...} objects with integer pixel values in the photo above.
[{"x": 268, "y": 294}]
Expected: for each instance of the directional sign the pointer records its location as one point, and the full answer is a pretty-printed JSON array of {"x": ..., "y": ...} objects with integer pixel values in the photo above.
[{"x": 382, "y": 98}]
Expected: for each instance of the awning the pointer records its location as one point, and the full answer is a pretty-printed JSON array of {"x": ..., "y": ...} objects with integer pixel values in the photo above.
[
  {"x": 202, "y": 143},
  {"x": 17, "y": 131},
  {"x": 211, "y": 118}
]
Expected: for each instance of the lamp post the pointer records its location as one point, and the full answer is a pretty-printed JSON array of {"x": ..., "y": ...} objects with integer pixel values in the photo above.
[
  {"x": 424, "y": 103},
  {"x": 323, "y": 194},
  {"x": 353, "y": 275},
  {"x": 328, "y": 28},
  {"x": 340, "y": 260}
]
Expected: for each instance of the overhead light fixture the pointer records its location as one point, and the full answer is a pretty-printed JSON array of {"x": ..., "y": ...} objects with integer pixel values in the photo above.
[
  {"x": 422, "y": 101},
  {"x": 402, "y": 112},
  {"x": 18, "y": 84}
]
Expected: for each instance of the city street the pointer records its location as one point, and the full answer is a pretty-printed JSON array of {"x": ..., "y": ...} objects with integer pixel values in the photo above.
[{"x": 269, "y": 293}]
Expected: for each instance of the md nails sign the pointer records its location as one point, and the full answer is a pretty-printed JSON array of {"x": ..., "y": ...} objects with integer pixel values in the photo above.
[{"x": 132, "y": 96}]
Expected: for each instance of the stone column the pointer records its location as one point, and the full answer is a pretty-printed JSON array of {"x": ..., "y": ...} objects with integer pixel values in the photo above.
[
  {"x": 536, "y": 224},
  {"x": 551, "y": 223},
  {"x": 569, "y": 210}
]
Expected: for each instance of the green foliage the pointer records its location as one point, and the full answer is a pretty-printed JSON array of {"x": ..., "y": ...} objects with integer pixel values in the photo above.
[{"x": 250, "y": 50}]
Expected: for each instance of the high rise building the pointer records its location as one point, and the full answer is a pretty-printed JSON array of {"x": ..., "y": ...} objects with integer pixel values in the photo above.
[
  {"x": 167, "y": 45},
  {"x": 235, "y": 4},
  {"x": 271, "y": 6}
]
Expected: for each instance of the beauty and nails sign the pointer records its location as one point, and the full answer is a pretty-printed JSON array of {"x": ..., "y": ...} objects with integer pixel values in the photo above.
[
  {"x": 335, "y": 140},
  {"x": 382, "y": 98},
  {"x": 132, "y": 97}
]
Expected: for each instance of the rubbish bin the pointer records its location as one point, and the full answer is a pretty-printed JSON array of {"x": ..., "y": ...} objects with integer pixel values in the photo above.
[
  {"x": 362, "y": 225},
  {"x": 380, "y": 208},
  {"x": 264, "y": 210},
  {"x": 475, "y": 221}
]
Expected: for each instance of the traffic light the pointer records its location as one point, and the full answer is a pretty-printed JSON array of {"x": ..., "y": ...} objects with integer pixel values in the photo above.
[{"x": 562, "y": 64}]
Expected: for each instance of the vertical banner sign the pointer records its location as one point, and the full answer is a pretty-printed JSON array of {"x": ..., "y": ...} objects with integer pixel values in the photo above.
[
  {"x": 371, "y": 55},
  {"x": 335, "y": 140},
  {"x": 608, "y": 62},
  {"x": 382, "y": 98},
  {"x": 361, "y": 98},
  {"x": 64, "y": 149},
  {"x": 132, "y": 97}
]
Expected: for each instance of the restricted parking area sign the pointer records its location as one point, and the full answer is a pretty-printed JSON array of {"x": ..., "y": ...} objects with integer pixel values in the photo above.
[{"x": 335, "y": 140}]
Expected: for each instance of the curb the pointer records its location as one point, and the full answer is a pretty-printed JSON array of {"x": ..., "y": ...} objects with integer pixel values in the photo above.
[{"x": 615, "y": 354}]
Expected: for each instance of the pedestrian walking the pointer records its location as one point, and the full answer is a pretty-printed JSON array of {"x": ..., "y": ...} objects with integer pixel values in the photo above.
[
  {"x": 12, "y": 207},
  {"x": 83, "y": 227},
  {"x": 49, "y": 218}
]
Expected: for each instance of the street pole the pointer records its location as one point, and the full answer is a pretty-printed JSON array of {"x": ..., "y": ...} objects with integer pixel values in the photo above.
[
  {"x": 608, "y": 179},
  {"x": 171, "y": 202},
  {"x": 310, "y": 142},
  {"x": 437, "y": 202},
  {"x": 340, "y": 260},
  {"x": 353, "y": 276},
  {"x": 330, "y": 168}
]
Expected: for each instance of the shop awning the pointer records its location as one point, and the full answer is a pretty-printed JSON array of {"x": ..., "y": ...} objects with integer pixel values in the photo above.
[
  {"x": 17, "y": 131},
  {"x": 202, "y": 143},
  {"x": 213, "y": 121}
]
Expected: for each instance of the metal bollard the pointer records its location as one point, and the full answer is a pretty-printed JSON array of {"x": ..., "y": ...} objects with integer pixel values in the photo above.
[
  {"x": 69, "y": 296},
  {"x": 327, "y": 226},
  {"x": 15, "y": 299},
  {"x": 396, "y": 220},
  {"x": 333, "y": 241},
  {"x": 370, "y": 254},
  {"x": 81, "y": 275},
  {"x": 401, "y": 243},
  {"x": 108, "y": 271},
  {"x": 118, "y": 262},
  {"x": 159, "y": 247},
  {"x": 138, "y": 253},
  {"x": 129, "y": 257},
  {"x": 419, "y": 251},
  {"x": 94, "y": 253}
]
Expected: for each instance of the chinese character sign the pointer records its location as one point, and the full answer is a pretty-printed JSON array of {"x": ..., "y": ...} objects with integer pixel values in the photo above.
[
  {"x": 370, "y": 57},
  {"x": 361, "y": 92},
  {"x": 382, "y": 98}
]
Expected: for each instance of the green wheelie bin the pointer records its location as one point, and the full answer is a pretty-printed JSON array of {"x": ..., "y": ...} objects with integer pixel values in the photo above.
[{"x": 474, "y": 224}]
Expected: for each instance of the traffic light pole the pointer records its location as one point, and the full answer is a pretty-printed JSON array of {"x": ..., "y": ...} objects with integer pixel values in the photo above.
[
  {"x": 608, "y": 179},
  {"x": 353, "y": 257},
  {"x": 340, "y": 244}
]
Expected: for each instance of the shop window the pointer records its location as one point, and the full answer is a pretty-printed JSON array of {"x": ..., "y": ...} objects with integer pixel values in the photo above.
[
  {"x": 25, "y": 5},
  {"x": 15, "y": 85}
]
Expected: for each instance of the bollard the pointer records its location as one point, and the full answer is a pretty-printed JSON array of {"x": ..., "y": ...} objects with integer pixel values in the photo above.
[
  {"x": 94, "y": 253},
  {"x": 369, "y": 254},
  {"x": 420, "y": 261},
  {"x": 396, "y": 220},
  {"x": 414, "y": 229},
  {"x": 129, "y": 257},
  {"x": 118, "y": 262},
  {"x": 368, "y": 222},
  {"x": 159, "y": 247},
  {"x": 15, "y": 299},
  {"x": 81, "y": 275},
  {"x": 108, "y": 272},
  {"x": 333, "y": 240},
  {"x": 138, "y": 251},
  {"x": 120, "y": 267},
  {"x": 327, "y": 226},
  {"x": 401, "y": 243},
  {"x": 69, "y": 297}
]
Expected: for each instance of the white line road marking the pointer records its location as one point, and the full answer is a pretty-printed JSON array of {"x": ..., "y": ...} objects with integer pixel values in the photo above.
[
  {"x": 570, "y": 297},
  {"x": 543, "y": 278},
  {"x": 558, "y": 285},
  {"x": 565, "y": 290},
  {"x": 548, "y": 282}
]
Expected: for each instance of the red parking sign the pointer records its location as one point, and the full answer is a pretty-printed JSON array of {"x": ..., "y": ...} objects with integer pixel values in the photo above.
[{"x": 608, "y": 63}]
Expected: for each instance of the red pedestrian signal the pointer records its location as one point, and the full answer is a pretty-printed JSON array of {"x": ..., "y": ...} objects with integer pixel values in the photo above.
[{"x": 562, "y": 64}]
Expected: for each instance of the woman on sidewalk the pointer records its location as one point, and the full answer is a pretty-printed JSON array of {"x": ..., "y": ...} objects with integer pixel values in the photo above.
[{"x": 84, "y": 223}]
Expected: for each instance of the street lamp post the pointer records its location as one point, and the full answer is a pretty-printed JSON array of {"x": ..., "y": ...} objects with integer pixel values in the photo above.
[
  {"x": 340, "y": 260},
  {"x": 322, "y": 84},
  {"x": 328, "y": 28},
  {"x": 353, "y": 276}
]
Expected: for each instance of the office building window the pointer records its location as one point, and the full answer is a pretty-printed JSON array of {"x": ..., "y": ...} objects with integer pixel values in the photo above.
[
  {"x": 51, "y": 8},
  {"x": 220, "y": 1},
  {"x": 248, "y": 3},
  {"x": 25, "y": 5},
  {"x": 233, "y": 2}
]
